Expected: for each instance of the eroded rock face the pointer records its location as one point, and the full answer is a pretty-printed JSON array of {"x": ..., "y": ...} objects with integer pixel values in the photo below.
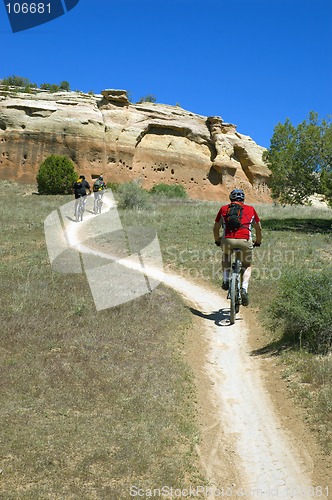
[{"x": 151, "y": 142}]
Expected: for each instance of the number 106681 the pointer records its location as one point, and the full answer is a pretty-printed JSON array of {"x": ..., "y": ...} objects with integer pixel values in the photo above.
[{"x": 28, "y": 8}]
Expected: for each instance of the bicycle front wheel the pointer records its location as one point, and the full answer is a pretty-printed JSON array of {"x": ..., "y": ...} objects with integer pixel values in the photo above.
[{"x": 232, "y": 296}]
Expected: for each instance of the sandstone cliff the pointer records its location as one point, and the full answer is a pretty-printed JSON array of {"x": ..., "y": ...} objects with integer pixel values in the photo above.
[{"x": 151, "y": 142}]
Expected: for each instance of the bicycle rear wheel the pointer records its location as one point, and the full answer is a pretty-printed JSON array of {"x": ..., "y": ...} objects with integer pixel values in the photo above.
[
  {"x": 232, "y": 296},
  {"x": 99, "y": 205}
]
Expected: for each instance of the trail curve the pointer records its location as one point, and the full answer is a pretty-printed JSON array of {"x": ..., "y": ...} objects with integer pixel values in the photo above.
[{"x": 269, "y": 461}]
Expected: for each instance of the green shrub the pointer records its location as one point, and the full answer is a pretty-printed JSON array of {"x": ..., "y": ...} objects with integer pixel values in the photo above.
[
  {"x": 17, "y": 81},
  {"x": 131, "y": 195},
  {"x": 114, "y": 186},
  {"x": 65, "y": 86},
  {"x": 147, "y": 98},
  {"x": 56, "y": 175},
  {"x": 302, "y": 310},
  {"x": 52, "y": 87},
  {"x": 169, "y": 190}
]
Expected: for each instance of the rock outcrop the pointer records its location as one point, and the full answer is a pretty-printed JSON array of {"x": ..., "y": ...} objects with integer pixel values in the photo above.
[{"x": 151, "y": 142}]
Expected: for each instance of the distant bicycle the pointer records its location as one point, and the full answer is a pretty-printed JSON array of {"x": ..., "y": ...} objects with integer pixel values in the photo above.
[
  {"x": 234, "y": 292},
  {"x": 80, "y": 208}
]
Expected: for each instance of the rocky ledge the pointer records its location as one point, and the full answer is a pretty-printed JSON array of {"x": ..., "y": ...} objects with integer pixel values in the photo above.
[{"x": 150, "y": 142}]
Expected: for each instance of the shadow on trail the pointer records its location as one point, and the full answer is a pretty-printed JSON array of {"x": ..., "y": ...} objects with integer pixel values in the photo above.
[
  {"x": 72, "y": 219},
  {"x": 220, "y": 317},
  {"x": 275, "y": 347},
  {"x": 302, "y": 225}
]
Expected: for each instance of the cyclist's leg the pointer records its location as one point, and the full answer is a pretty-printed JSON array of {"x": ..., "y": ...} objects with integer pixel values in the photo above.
[
  {"x": 246, "y": 247},
  {"x": 246, "y": 276},
  {"x": 246, "y": 264},
  {"x": 77, "y": 198},
  {"x": 78, "y": 208}
]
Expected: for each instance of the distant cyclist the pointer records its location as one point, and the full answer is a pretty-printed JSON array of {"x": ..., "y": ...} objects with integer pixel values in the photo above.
[
  {"x": 237, "y": 220},
  {"x": 80, "y": 188},
  {"x": 99, "y": 187}
]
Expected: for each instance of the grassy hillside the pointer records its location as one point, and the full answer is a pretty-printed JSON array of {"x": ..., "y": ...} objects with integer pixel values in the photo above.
[
  {"x": 296, "y": 240},
  {"x": 92, "y": 403}
]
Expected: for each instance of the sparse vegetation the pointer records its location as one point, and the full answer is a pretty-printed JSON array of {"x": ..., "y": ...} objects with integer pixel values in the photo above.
[
  {"x": 56, "y": 175},
  {"x": 169, "y": 190},
  {"x": 147, "y": 98},
  {"x": 302, "y": 311},
  {"x": 53, "y": 87},
  {"x": 25, "y": 85},
  {"x": 114, "y": 186},
  {"x": 132, "y": 196},
  {"x": 17, "y": 81}
]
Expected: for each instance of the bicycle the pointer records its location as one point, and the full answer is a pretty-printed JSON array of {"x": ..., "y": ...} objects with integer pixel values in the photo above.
[
  {"x": 234, "y": 292},
  {"x": 80, "y": 208},
  {"x": 98, "y": 203}
]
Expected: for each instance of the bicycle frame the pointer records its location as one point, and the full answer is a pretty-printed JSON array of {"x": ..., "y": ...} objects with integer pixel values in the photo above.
[{"x": 234, "y": 293}]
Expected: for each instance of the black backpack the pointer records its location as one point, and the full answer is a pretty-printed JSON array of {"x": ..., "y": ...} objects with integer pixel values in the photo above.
[
  {"x": 77, "y": 185},
  {"x": 234, "y": 216}
]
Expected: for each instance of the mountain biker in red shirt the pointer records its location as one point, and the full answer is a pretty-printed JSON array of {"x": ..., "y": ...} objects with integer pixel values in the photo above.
[{"x": 238, "y": 238}]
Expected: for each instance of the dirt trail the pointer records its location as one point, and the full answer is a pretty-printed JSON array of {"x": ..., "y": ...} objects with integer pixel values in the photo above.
[{"x": 268, "y": 461}]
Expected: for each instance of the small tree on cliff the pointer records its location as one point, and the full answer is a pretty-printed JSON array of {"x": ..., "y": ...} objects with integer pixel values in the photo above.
[
  {"x": 56, "y": 175},
  {"x": 147, "y": 98}
]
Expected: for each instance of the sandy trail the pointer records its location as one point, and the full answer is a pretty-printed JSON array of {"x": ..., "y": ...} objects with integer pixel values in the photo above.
[{"x": 268, "y": 460}]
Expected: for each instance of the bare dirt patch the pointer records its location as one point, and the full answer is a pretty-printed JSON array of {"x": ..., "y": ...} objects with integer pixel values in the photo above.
[
  {"x": 215, "y": 450},
  {"x": 291, "y": 415}
]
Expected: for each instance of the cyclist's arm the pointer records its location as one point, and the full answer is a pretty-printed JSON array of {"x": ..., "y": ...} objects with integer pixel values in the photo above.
[
  {"x": 258, "y": 232},
  {"x": 216, "y": 230}
]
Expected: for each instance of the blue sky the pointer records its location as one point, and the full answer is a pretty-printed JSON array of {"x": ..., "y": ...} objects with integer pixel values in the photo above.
[{"x": 252, "y": 62}]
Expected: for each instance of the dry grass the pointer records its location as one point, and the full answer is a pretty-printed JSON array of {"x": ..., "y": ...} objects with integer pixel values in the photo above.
[
  {"x": 91, "y": 403},
  {"x": 94, "y": 402},
  {"x": 293, "y": 237}
]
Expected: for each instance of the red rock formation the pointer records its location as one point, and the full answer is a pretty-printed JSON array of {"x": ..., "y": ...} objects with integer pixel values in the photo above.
[{"x": 151, "y": 142}]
